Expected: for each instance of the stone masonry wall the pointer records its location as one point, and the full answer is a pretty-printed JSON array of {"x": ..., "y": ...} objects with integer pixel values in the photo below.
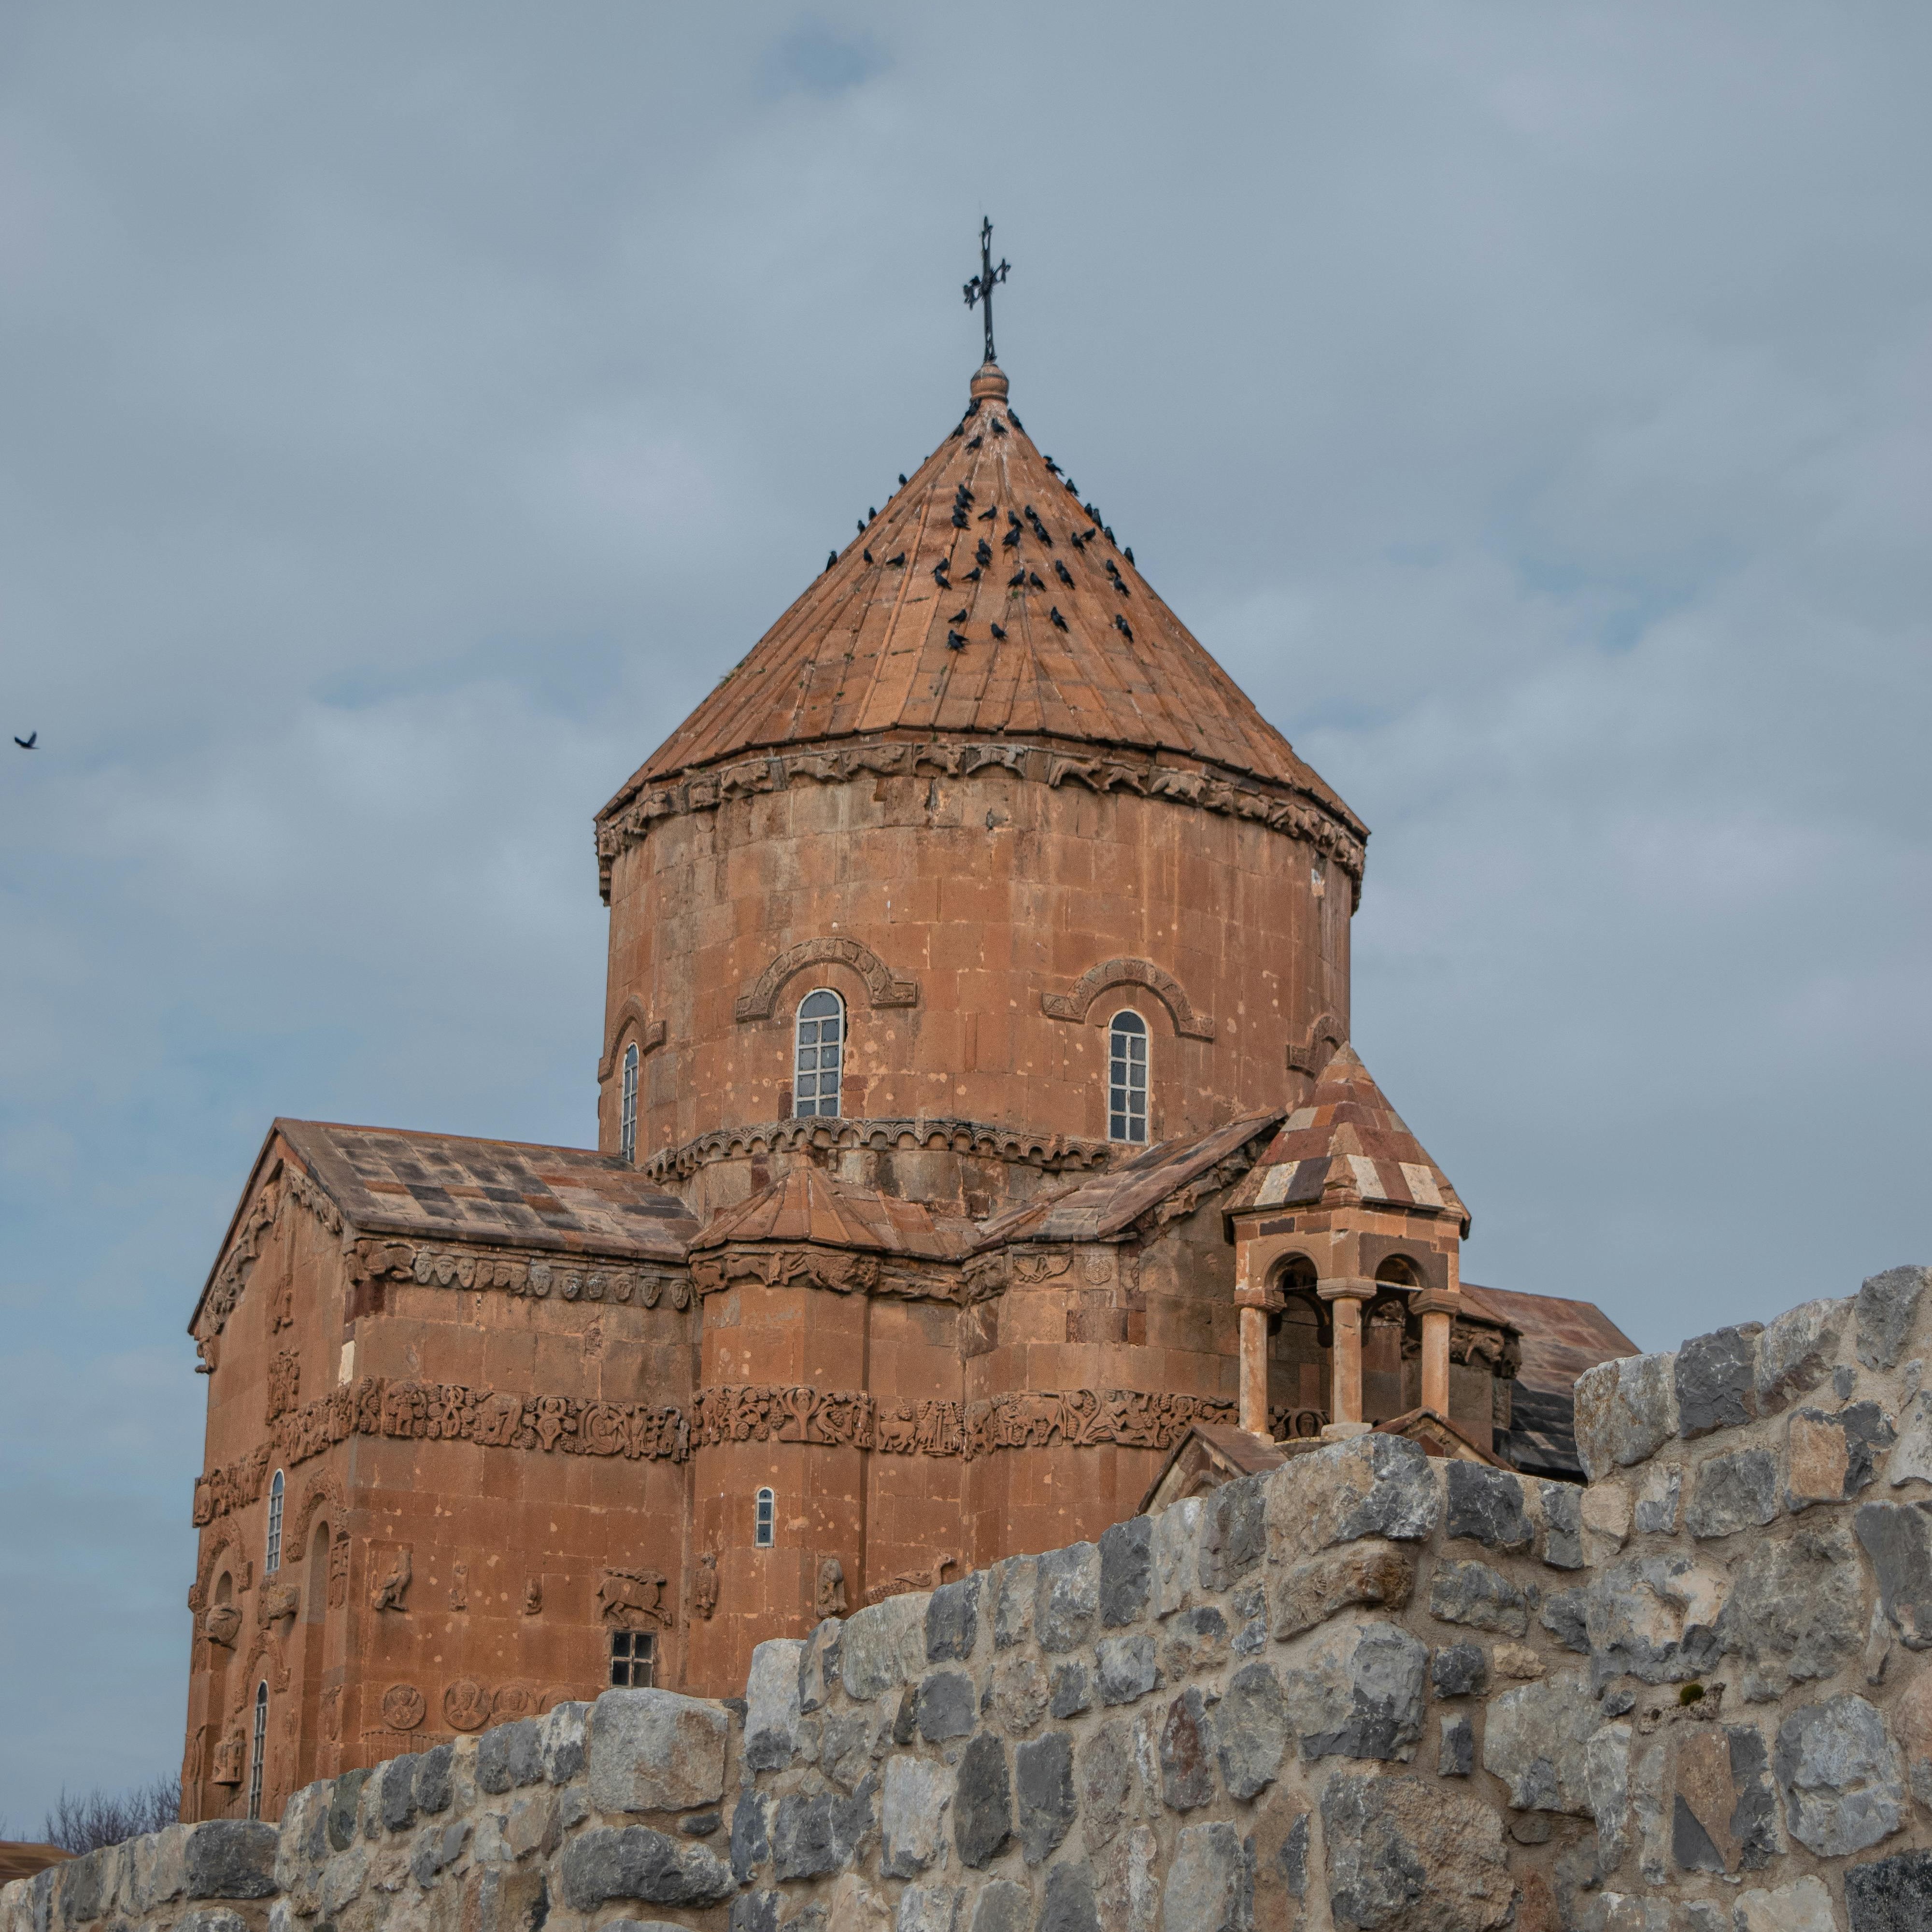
[{"x": 1366, "y": 1690}]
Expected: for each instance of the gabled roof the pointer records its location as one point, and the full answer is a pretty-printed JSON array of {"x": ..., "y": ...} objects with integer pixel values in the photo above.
[
  {"x": 1090, "y": 655},
  {"x": 387, "y": 1180},
  {"x": 808, "y": 1205},
  {"x": 1347, "y": 1134},
  {"x": 1109, "y": 1203}
]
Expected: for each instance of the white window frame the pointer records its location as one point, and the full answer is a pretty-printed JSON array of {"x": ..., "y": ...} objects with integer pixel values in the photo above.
[
  {"x": 810, "y": 1073},
  {"x": 1129, "y": 1078},
  {"x": 627, "y": 1106},
  {"x": 259, "y": 1749},
  {"x": 765, "y": 1520},
  {"x": 271, "y": 1557}
]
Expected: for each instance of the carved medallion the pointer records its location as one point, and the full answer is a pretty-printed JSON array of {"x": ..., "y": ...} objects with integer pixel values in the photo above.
[
  {"x": 514, "y": 1700},
  {"x": 403, "y": 1707},
  {"x": 555, "y": 1694},
  {"x": 466, "y": 1705}
]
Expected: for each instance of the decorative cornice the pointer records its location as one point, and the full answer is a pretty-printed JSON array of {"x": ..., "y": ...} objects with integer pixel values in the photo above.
[
  {"x": 539, "y": 1276},
  {"x": 1325, "y": 1036},
  {"x": 631, "y": 1019},
  {"x": 792, "y": 1264},
  {"x": 1075, "y": 1004},
  {"x": 983, "y": 1140},
  {"x": 282, "y": 1182},
  {"x": 628, "y": 819},
  {"x": 881, "y": 987}
]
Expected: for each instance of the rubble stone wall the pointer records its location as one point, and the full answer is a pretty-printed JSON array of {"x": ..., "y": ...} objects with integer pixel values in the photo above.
[{"x": 1366, "y": 1690}]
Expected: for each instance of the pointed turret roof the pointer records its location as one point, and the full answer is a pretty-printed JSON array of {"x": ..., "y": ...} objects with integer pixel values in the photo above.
[
  {"x": 895, "y": 636},
  {"x": 1347, "y": 1135}
]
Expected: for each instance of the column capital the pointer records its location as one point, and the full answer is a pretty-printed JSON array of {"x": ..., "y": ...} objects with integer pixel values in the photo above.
[
  {"x": 1347, "y": 1288},
  {"x": 1431, "y": 1301},
  {"x": 1271, "y": 1299}
]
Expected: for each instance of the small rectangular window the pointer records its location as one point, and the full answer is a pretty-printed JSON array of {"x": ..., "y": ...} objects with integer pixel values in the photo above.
[
  {"x": 634, "y": 1659},
  {"x": 766, "y": 1521}
]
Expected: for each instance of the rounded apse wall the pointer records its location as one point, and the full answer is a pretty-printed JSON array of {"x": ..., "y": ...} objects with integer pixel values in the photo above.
[{"x": 982, "y": 932}]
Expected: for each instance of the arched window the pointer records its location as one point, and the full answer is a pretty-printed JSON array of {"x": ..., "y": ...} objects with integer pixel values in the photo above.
[
  {"x": 272, "y": 1561},
  {"x": 627, "y": 1115},
  {"x": 1127, "y": 1079},
  {"x": 261, "y": 1744},
  {"x": 820, "y": 1054},
  {"x": 765, "y": 1523}
]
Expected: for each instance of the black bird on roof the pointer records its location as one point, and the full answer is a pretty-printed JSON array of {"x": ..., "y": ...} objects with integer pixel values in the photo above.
[
  {"x": 958, "y": 518},
  {"x": 867, "y": 555},
  {"x": 976, "y": 442},
  {"x": 999, "y": 428},
  {"x": 991, "y": 514},
  {"x": 1013, "y": 519},
  {"x": 1017, "y": 423},
  {"x": 831, "y": 558},
  {"x": 1050, "y": 464},
  {"x": 997, "y": 632},
  {"x": 902, "y": 479},
  {"x": 1128, "y": 553},
  {"x": 941, "y": 569},
  {"x": 958, "y": 617},
  {"x": 1060, "y": 571},
  {"x": 1121, "y": 624},
  {"x": 972, "y": 575},
  {"x": 1012, "y": 537},
  {"x": 954, "y": 641},
  {"x": 861, "y": 523},
  {"x": 28, "y": 743},
  {"x": 895, "y": 563},
  {"x": 1079, "y": 539},
  {"x": 1059, "y": 622},
  {"x": 1017, "y": 579},
  {"x": 985, "y": 552}
]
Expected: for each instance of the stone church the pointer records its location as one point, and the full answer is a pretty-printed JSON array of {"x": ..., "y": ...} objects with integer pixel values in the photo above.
[{"x": 980, "y": 1158}]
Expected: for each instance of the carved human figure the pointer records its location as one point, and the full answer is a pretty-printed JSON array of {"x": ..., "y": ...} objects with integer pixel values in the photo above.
[
  {"x": 466, "y": 1705},
  {"x": 389, "y": 1593},
  {"x": 403, "y": 1707},
  {"x": 704, "y": 1590},
  {"x": 831, "y": 1598},
  {"x": 227, "y": 1760},
  {"x": 459, "y": 1590},
  {"x": 338, "y": 1570},
  {"x": 533, "y": 1597}
]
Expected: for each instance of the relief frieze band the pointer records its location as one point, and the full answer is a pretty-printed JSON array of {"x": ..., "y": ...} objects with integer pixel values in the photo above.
[
  {"x": 540, "y": 1277},
  {"x": 1052, "y": 1152},
  {"x": 1299, "y": 817}
]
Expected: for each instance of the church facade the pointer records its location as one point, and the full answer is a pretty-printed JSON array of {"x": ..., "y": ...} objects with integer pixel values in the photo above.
[{"x": 979, "y": 1139}]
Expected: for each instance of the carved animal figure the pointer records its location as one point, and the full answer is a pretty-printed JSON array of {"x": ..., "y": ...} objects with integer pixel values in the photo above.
[{"x": 388, "y": 1595}]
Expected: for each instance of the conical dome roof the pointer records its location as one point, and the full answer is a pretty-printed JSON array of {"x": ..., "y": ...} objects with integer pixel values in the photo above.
[{"x": 898, "y": 635}]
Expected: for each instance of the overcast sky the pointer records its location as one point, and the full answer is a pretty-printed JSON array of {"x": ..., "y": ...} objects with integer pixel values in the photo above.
[{"x": 407, "y": 413}]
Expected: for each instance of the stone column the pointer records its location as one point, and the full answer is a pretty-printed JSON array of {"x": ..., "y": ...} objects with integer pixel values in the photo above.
[
  {"x": 1254, "y": 1303},
  {"x": 1438, "y": 1312},
  {"x": 1345, "y": 1299}
]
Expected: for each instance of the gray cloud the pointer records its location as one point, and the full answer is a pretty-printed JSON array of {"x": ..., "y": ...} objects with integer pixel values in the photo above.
[{"x": 410, "y": 415}]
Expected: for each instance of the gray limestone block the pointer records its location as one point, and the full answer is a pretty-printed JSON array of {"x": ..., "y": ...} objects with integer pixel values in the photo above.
[
  {"x": 872, "y": 1645},
  {"x": 1067, "y": 1900},
  {"x": 1357, "y": 1692},
  {"x": 1126, "y": 1571},
  {"x": 756, "y": 1912},
  {"x": 634, "y": 1861},
  {"x": 1002, "y": 1906},
  {"x": 1796, "y": 1609},
  {"x": 1626, "y": 1411},
  {"x": 1897, "y": 1538},
  {"x": 771, "y": 1713},
  {"x": 1535, "y": 1738},
  {"x": 158, "y": 1866},
  {"x": 930, "y": 1908},
  {"x": 1411, "y": 1855},
  {"x": 1456, "y": 1750},
  {"x": 1474, "y": 1594},
  {"x": 437, "y": 1848},
  {"x": 1109, "y": 1783},
  {"x": 1830, "y": 1456},
  {"x": 1175, "y": 1554},
  {"x": 653, "y": 1751},
  {"x": 1738, "y": 1490},
  {"x": 701, "y": 1824},
  {"x": 345, "y": 1797},
  {"x": 1311, "y": 1592},
  {"x": 1186, "y": 1754},
  {"x": 1843, "y": 1781},
  {"x": 1717, "y": 1380},
  {"x": 1015, "y": 1584},
  {"x": 1020, "y": 1694},
  {"x": 946, "y": 1706},
  {"x": 560, "y": 1741},
  {"x": 1566, "y": 1616},
  {"x": 1193, "y": 1640},
  {"x": 1892, "y": 1894},
  {"x": 1043, "y": 1781},
  {"x": 230, "y": 1857},
  {"x": 1561, "y": 1506},
  {"x": 982, "y": 1805},
  {"x": 211, "y": 1919},
  {"x": 1660, "y": 1499},
  {"x": 845, "y": 1748},
  {"x": 750, "y": 1834},
  {"x": 1251, "y": 1730},
  {"x": 1887, "y": 1303},
  {"x": 1073, "y": 1691},
  {"x": 1653, "y": 1618},
  {"x": 511, "y": 1755},
  {"x": 435, "y": 1779},
  {"x": 1234, "y": 1531},
  {"x": 818, "y": 1832},
  {"x": 1803, "y": 1905},
  {"x": 1068, "y": 1598},
  {"x": 952, "y": 1622},
  {"x": 818, "y": 1666},
  {"x": 83, "y": 1889},
  {"x": 1460, "y": 1670},
  {"x": 1211, "y": 1883},
  {"x": 1798, "y": 1350},
  {"x": 912, "y": 1815},
  {"x": 1372, "y": 1485},
  {"x": 1737, "y": 1803},
  {"x": 1486, "y": 1506},
  {"x": 397, "y": 1782},
  {"x": 1124, "y": 1667}
]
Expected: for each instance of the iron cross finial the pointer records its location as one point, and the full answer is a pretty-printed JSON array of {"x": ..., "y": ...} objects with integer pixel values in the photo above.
[{"x": 980, "y": 288}]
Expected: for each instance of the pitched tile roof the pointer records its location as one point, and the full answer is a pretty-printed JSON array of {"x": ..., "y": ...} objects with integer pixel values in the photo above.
[
  {"x": 1107, "y": 1204},
  {"x": 808, "y": 1205},
  {"x": 1347, "y": 1130},
  {"x": 1090, "y": 654},
  {"x": 387, "y": 1180}
]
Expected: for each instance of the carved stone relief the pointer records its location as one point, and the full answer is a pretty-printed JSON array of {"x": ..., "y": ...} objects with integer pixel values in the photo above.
[
  {"x": 404, "y": 1707},
  {"x": 227, "y": 1768},
  {"x": 388, "y": 1595},
  {"x": 537, "y": 1276},
  {"x": 911, "y": 1579},
  {"x": 222, "y": 1624},
  {"x": 632, "y": 1599},
  {"x": 466, "y": 1705},
  {"x": 830, "y": 1599},
  {"x": 837, "y": 1269},
  {"x": 1075, "y": 1003},
  {"x": 338, "y": 1570},
  {"x": 459, "y": 1589},
  {"x": 533, "y": 1597},
  {"x": 284, "y": 1383},
  {"x": 756, "y": 1001},
  {"x": 704, "y": 1587},
  {"x": 511, "y": 1702}
]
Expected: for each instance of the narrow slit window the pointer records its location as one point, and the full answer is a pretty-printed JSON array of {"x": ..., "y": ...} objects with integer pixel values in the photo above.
[
  {"x": 1127, "y": 1079},
  {"x": 765, "y": 1523},
  {"x": 634, "y": 1659},
  {"x": 819, "y": 1056},
  {"x": 271, "y": 1559},
  {"x": 260, "y": 1743},
  {"x": 627, "y": 1116}
]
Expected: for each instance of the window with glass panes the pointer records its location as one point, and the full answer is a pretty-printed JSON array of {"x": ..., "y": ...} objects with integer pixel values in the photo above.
[
  {"x": 634, "y": 1659},
  {"x": 1127, "y": 1079},
  {"x": 627, "y": 1117},
  {"x": 764, "y": 1521},
  {"x": 271, "y": 1558},
  {"x": 821, "y": 1052},
  {"x": 260, "y": 1743}
]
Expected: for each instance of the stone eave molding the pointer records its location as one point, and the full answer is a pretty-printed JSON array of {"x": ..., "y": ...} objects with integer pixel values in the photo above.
[{"x": 984, "y": 1140}]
